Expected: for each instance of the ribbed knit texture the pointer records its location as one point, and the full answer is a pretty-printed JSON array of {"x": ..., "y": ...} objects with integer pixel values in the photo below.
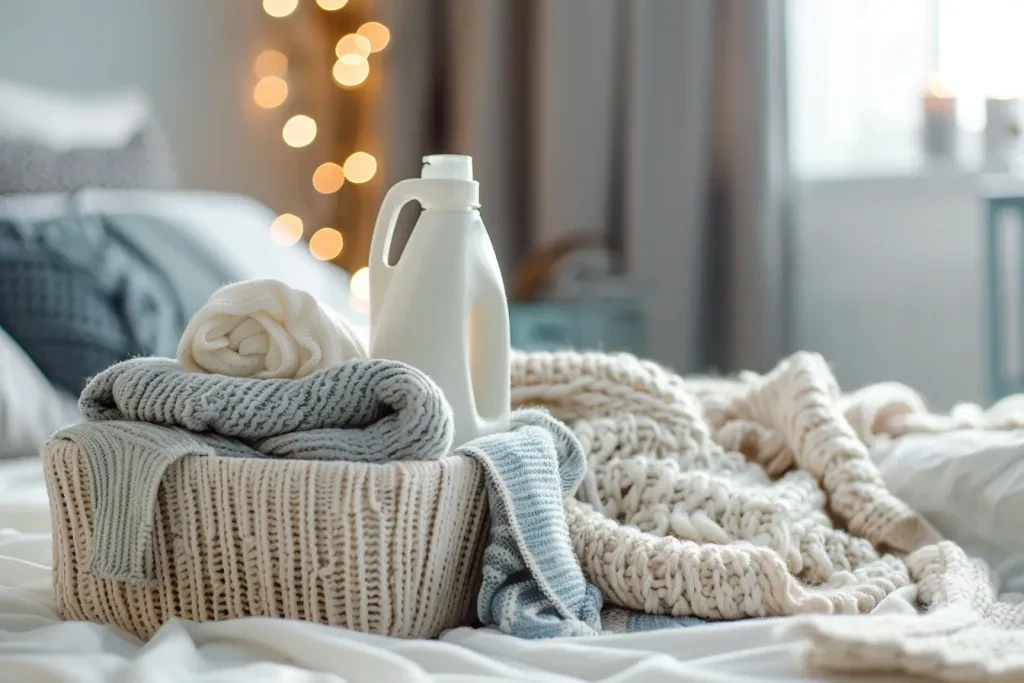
[
  {"x": 532, "y": 584},
  {"x": 266, "y": 329},
  {"x": 362, "y": 411},
  {"x": 392, "y": 548}
]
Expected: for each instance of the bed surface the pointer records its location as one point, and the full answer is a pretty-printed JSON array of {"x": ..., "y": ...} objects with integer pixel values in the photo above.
[{"x": 35, "y": 645}]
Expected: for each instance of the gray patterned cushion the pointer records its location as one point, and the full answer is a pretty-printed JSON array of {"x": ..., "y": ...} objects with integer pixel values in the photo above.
[
  {"x": 79, "y": 298},
  {"x": 28, "y": 166}
]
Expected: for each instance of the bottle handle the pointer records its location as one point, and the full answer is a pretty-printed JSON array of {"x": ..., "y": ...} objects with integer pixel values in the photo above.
[
  {"x": 492, "y": 369},
  {"x": 397, "y": 197}
]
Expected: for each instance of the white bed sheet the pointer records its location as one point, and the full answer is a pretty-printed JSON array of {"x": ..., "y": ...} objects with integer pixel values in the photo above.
[{"x": 36, "y": 646}]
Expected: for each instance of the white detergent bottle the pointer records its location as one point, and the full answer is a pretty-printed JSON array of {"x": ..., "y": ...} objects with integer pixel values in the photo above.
[{"x": 442, "y": 308}]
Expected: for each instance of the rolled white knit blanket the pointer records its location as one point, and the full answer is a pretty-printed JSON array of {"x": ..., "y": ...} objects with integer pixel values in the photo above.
[{"x": 265, "y": 329}]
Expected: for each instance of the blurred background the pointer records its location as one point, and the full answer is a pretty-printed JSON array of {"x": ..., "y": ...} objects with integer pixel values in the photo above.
[{"x": 712, "y": 183}]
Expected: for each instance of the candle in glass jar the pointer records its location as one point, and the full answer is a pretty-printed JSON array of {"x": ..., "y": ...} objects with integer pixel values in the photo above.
[{"x": 939, "y": 134}]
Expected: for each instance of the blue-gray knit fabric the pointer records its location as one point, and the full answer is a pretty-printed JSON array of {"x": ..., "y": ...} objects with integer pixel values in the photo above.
[
  {"x": 194, "y": 268},
  {"x": 615, "y": 620},
  {"x": 146, "y": 413},
  {"x": 78, "y": 294},
  {"x": 533, "y": 586}
]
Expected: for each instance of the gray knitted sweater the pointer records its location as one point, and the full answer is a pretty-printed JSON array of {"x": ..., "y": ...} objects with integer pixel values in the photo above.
[{"x": 147, "y": 413}]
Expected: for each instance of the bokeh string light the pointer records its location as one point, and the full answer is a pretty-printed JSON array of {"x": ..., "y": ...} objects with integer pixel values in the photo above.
[
  {"x": 326, "y": 244},
  {"x": 328, "y": 178},
  {"x": 350, "y": 70},
  {"x": 377, "y": 33},
  {"x": 270, "y": 63},
  {"x": 271, "y": 91},
  {"x": 279, "y": 8},
  {"x": 286, "y": 229},
  {"x": 299, "y": 131},
  {"x": 353, "y": 43},
  {"x": 359, "y": 288},
  {"x": 360, "y": 167}
]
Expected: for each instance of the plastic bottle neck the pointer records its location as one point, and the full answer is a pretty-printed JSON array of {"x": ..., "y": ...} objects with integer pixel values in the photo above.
[{"x": 448, "y": 195}]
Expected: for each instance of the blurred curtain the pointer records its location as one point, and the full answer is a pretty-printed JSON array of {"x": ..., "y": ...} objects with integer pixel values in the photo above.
[{"x": 660, "y": 123}]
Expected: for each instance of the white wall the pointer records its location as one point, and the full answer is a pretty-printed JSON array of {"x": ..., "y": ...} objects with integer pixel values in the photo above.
[
  {"x": 192, "y": 57},
  {"x": 889, "y": 282}
]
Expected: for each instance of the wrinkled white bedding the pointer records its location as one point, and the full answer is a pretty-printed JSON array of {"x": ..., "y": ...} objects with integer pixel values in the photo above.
[
  {"x": 30, "y": 407},
  {"x": 36, "y": 646},
  {"x": 970, "y": 485}
]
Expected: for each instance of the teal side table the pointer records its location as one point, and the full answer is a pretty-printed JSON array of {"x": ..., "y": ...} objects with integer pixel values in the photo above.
[
  {"x": 1000, "y": 195},
  {"x": 590, "y": 325}
]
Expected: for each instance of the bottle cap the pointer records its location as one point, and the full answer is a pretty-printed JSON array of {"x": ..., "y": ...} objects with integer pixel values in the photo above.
[{"x": 448, "y": 167}]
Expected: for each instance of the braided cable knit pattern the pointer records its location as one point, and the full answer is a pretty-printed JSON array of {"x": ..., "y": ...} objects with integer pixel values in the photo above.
[
  {"x": 715, "y": 497},
  {"x": 723, "y": 514}
]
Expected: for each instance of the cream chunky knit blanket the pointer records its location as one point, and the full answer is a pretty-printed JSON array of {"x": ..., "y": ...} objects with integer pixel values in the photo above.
[{"x": 756, "y": 496}]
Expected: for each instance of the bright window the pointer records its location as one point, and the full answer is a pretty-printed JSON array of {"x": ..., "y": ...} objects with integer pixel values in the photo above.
[{"x": 857, "y": 69}]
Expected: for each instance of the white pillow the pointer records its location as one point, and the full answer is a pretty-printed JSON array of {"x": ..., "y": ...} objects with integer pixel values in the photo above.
[
  {"x": 970, "y": 485},
  {"x": 63, "y": 121},
  {"x": 31, "y": 409}
]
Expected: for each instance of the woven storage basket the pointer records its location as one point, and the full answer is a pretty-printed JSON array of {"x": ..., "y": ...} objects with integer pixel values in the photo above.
[{"x": 389, "y": 548}]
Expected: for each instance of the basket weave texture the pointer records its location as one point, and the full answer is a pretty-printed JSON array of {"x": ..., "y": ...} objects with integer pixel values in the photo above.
[{"x": 391, "y": 548}]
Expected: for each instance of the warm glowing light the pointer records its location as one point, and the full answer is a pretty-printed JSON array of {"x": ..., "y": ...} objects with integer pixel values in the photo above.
[
  {"x": 328, "y": 178},
  {"x": 286, "y": 229},
  {"x": 351, "y": 70},
  {"x": 354, "y": 44},
  {"x": 377, "y": 33},
  {"x": 299, "y": 131},
  {"x": 279, "y": 8},
  {"x": 331, "y": 5},
  {"x": 326, "y": 244},
  {"x": 359, "y": 285},
  {"x": 360, "y": 167},
  {"x": 937, "y": 89},
  {"x": 270, "y": 63},
  {"x": 270, "y": 92}
]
